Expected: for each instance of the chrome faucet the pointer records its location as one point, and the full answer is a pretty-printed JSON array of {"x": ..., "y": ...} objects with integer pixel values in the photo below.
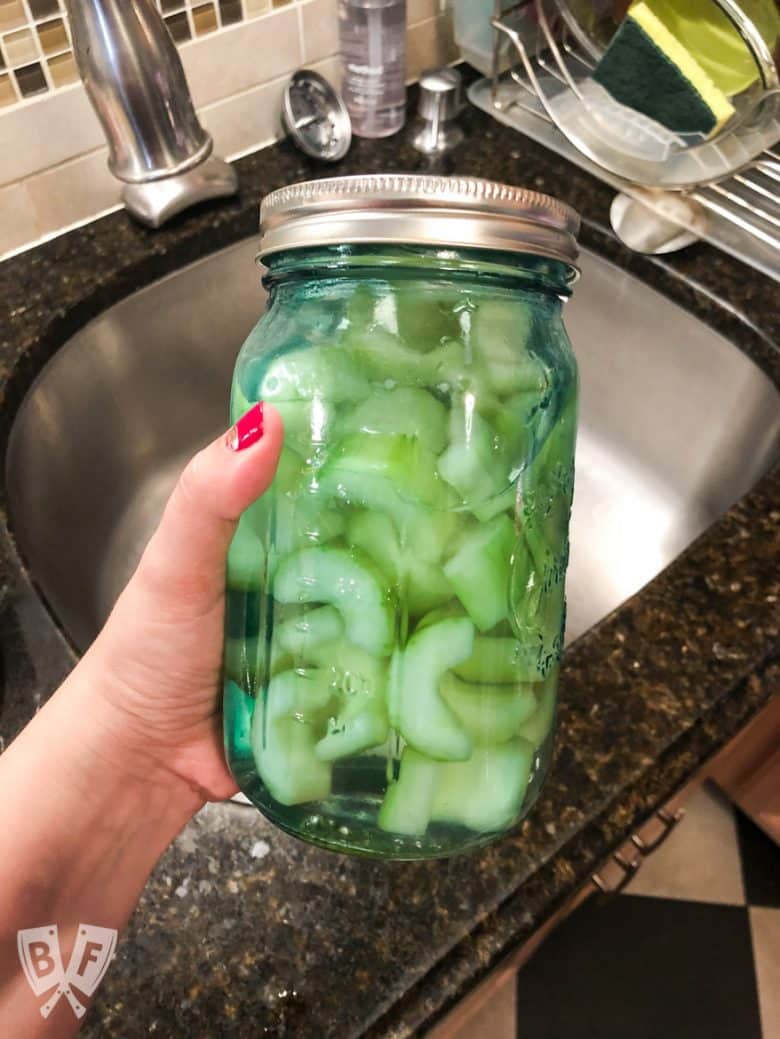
[{"x": 134, "y": 77}]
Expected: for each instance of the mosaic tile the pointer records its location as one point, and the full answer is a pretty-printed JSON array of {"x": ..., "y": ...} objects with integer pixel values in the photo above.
[
  {"x": 31, "y": 79},
  {"x": 35, "y": 42}
]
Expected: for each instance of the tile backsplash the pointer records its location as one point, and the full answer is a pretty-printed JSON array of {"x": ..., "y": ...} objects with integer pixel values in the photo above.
[
  {"x": 237, "y": 54},
  {"x": 36, "y": 54}
]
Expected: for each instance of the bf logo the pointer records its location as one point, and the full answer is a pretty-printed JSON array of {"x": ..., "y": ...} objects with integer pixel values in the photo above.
[{"x": 39, "y": 952}]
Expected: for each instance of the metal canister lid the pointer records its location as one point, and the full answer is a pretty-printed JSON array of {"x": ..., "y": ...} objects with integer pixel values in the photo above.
[{"x": 413, "y": 209}]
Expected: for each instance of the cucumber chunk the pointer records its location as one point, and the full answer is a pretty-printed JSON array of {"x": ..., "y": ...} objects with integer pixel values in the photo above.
[
  {"x": 358, "y": 681},
  {"x": 498, "y": 661},
  {"x": 548, "y": 487},
  {"x": 360, "y": 725},
  {"x": 337, "y": 577},
  {"x": 507, "y": 502},
  {"x": 406, "y": 807},
  {"x": 536, "y": 729},
  {"x": 426, "y": 315},
  {"x": 404, "y": 462},
  {"x": 304, "y": 521},
  {"x": 382, "y": 355},
  {"x": 488, "y": 713},
  {"x": 322, "y": 373},
  {"x": 486, "y": 792},
  {"x": 479, "y": 572},
  {"x": 246, "y": 555},
  {"x": 299, "y": 634},
  {"x": 351, "y": 669},
  {"x": 423, "y": 582},
  {"x": 305, "y": 695},
  {"x": 415, "y": 706},
  {"x": 427, "y": 586},
  {"x": 470, "y": 464},
  {"x": 308, "y": 424},
  {"x": 285, "y": 728},
  {"x": 406, "y": 410},
  {"x": 501, "y": 333},
  {"x": 375, "y": 534}
]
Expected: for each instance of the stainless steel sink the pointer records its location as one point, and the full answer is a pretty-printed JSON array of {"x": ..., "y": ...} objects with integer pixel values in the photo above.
[{"x": 676, "y": 424}]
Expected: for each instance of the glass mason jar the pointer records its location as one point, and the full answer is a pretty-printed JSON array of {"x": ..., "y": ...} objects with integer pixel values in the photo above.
[{"x": 395, "y": 605}]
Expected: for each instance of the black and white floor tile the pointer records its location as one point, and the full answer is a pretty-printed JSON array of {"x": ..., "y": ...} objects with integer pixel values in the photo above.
[{"x": 690, "y": 951}]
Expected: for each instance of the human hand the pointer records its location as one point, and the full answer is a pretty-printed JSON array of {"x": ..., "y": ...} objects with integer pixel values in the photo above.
[{"x": 156, "y": 664}]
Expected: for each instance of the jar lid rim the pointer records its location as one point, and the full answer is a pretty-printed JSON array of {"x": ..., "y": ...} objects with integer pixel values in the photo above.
[{"x": 417, "y": 209}]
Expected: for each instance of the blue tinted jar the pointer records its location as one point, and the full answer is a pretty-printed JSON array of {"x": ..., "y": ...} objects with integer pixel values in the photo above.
[{"x": 395, "y": 603}]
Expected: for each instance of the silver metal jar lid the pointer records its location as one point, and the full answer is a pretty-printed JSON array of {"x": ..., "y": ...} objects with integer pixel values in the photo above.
[
  {"x": 412, "y": 209},
  {"x": 315, "y": 116}
]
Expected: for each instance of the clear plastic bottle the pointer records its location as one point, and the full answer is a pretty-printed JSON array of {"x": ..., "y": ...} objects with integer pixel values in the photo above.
[{"x": 373, "y": 52}]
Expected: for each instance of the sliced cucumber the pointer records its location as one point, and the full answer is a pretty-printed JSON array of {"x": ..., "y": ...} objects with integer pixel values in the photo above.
[
  {"x": 479, "y": 572},
  {"x": 501, "y": 332},
  {"x": 383, "y": 356},
  {"x": 322, "y": 373},
  {"x": 288, "y": 765},
  {"x": 352, "y": 671},
  {"x": 548, "y": 486},
  {"x": 416, "y": 707},
  {"x": 403, "y": 461},
  {"x": 406, "y": 410},
  {"x": 539, "y": 621},
  {"x": 426, "y": 533},
  {"x": 375, "y": 534},
  {"x": 427, "y": 586},
  {"x": 304, "y": 520},
  {"x": 488, "y": 713},
  {"x": 475, "y": 463},
  {"x": 297, "y": 635},
  {"x": 308, "y": 424},
  {"x": 507, "y": 502},
  {"x": 536, "y": 729},
  {"x": 451, "y": 611},
  {"x": 246, "y": 555},
  {"x": 498, "y": 661},
  {"x": 340, "y": 578},
  {"x": 423, "y": 583},
  {"x": 486, "y": 792},
  {"x": 305, "y": 695},
  {"x": 286, "y": 726},
  {"x": 426, "y": 315},
  {"x": 360, "y": 725},
  {"x": 406, "y": 807}
]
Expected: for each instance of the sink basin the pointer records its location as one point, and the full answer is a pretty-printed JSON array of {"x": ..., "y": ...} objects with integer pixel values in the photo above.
[{"x": 676, "y": 424}]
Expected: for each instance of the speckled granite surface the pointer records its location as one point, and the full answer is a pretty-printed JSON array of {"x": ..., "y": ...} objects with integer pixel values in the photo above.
[{"x": 243, "y": 931}]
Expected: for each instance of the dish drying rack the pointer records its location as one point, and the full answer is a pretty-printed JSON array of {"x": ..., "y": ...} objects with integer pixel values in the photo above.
[{"x": 733, "y": 180}]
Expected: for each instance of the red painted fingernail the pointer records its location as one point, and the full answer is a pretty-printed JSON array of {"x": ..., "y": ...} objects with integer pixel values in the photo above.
[{"x": 248, "y": 430}]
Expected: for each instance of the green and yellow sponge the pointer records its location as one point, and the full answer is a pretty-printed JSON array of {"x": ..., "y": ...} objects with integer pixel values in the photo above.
[{"x": 646, "y": 68}]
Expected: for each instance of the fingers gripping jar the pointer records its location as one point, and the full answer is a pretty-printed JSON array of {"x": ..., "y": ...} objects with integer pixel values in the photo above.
[{"x": 395, "y": 603}]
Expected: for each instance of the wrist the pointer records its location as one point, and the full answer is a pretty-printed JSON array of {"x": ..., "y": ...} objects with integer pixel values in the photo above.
[{"x": 88, "y": 829}]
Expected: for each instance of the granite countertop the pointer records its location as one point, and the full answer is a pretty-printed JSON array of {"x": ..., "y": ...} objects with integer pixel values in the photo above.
[{"x": 245, "y": 931}]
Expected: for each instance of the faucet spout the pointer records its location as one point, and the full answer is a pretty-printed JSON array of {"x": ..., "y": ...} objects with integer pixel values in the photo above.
[{"x": 135, "y": 80}]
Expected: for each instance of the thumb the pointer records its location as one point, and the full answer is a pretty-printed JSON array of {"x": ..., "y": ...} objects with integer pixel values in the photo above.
[{"x": 183, "y": 566}]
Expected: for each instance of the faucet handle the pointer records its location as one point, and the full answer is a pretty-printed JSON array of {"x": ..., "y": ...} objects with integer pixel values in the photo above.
[{"x": 135, "y": 80}]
